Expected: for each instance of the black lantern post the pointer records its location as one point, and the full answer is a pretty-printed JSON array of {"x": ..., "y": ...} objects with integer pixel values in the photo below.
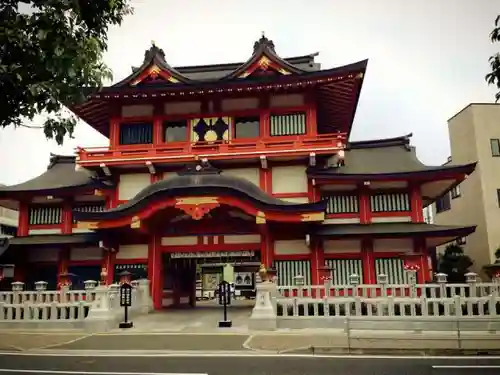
[
  {"x": 125, "y": 298},
  {"x": 125, "y": 277}
]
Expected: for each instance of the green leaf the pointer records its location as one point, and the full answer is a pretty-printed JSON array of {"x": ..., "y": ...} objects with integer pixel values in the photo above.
[{"x": 51, "y": 55}]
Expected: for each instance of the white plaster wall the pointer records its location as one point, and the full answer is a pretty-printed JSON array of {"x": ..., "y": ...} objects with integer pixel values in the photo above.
[
  {"x": 392, "y": 219},
  {"x": 179, "y": 241},
  {"x": 349, "y": 220},
  {"x": 245, "y": 238},
  {"x": 43, "y": 255},
  {"x": 132, "y": 251},
  {"x": 341, "y": 246},
  {"x": 175, "y": 108},
  {"x": 131, "y": 184},
  {"x": 401, "y": 245},
  {"x": 291, "y": 179},
  {"x": 250, "y": 174},
  {"x": 239, "y": 104},
  {"x": 296, "y": 200},
  {"x": 86, "y": 253},
  {"x": 137, "y": 110},
  {"x": 291, "y": 100},
  {"x": 45, "y": 231},
  {"x": 291, "y": 247}
]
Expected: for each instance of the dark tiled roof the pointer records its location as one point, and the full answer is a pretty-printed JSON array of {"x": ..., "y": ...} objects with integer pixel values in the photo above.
[
  {"x": 394, "y": 156},
  {"x": 60, "y": 174},
  {"x": 207, "y": 181},
  {"x": 217, "y": 71},
  {"x": 392, "y": 229}
]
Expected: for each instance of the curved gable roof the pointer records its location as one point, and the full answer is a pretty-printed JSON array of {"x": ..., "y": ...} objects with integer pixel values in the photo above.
[
  {"x": 154, "y": 66},
  {"x": 60, "y": 174},
  {"x": 264, "y": 55},
  {"x": 201, "y": 182},
  {"x": 391, "y": 156}
]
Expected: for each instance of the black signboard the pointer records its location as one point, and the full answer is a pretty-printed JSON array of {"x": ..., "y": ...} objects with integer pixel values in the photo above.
[
  {"x": 126, "y": 295},
  {"x": 126, "y": 302},
  {"x": 225, "y": 300},
  {"x": 224, "y": 293}
]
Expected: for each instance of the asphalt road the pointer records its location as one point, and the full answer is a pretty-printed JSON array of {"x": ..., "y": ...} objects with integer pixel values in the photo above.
[{"x": 255, "y": 365}]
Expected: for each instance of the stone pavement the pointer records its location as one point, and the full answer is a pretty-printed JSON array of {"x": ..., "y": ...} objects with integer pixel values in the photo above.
[{"x": 204, "y": 318}]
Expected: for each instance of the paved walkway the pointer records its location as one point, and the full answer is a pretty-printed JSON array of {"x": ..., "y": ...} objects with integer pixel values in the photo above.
[{"x": 202, "y": 319}]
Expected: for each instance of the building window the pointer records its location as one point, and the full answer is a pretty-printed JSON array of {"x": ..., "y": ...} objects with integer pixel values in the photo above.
[
  {"x": 462, "y": 241},
  {"x": 175, "y": 131},
  {"x": 455, "y": 192},
  {"x": 246, "y": 127},
  {"x": 498, "y": 197},
  {"x": 443, "y": 203},
  {"x": 136, "y": 133},
  {"x": 290, "y": 124},
  {"x": 495, "y": 147}
]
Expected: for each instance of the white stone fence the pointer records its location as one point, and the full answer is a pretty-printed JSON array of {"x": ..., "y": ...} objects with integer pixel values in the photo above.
[
  {"x": 438, "y": 306},
  {"x": 96, "y": 308}
]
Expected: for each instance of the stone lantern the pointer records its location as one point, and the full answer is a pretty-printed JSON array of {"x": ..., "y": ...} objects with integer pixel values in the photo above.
[
  {"x": 40, "y": 286},
  {"x": 354, "y": 279},
  {"x": 17, "y": 286},
  {"x": 299, "y": 280},
  {"x": 90, "y": 284}
]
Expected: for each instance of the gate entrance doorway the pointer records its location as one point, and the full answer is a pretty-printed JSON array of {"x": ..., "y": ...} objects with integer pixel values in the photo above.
[{"x": 193, "y": 276}]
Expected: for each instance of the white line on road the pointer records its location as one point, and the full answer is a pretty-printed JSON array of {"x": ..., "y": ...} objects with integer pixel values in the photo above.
[
  {"x": 219, "y": 354},
  {"x": 465, "y": 366},
  {"x": 90, "y": 373}
]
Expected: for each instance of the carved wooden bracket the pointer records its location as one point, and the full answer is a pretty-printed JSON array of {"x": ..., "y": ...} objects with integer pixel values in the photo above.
[{"x": 197, "y": 208}]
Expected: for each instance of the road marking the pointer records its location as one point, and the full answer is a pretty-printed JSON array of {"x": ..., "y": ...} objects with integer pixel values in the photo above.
[
  {"x": 92, "y": 373},
  {"x": 236, "y": 354},
  {"x": 465, "y": 366}
]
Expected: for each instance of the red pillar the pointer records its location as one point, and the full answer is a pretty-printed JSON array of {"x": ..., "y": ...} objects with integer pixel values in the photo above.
[
  {"x": 266, "y": 246},
  {"x": 417, "y": 214},
  {"x": 22, "y": 228},
  {"x": 367, "y": 254},
  {"x": 368, "y": 259},
  {"x": 63, "y": 263},
  {"x": 67, "y": 218},
  {"x": 317, "y": 260},
  {"x": 155, "y": 270},
  {"x": 421, "y": 249},
  {"x": 108, "y": 263}
]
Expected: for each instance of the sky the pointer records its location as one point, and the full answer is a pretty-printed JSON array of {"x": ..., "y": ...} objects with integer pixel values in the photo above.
[{"x": 427, "y": 61}]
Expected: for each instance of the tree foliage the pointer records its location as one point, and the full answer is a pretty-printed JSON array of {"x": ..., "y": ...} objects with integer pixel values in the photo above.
[
  {"x": 455, "y": 263},
  {"x": 493, "y": 78},
  {"x": 50, "y": 51}
]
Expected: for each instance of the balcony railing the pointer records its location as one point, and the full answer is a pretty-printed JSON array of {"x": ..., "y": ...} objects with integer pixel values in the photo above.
[{"x": 185, "y": 151}]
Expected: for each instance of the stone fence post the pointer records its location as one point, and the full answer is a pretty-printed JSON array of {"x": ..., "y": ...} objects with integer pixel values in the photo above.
[
  {"x": 263, "y": 314},
  {"x": 145, "y": 300},
  {"x": 17, "y": 288}
]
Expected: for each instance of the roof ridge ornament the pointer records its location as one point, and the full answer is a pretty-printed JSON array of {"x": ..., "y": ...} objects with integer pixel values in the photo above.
[
  {"x": 203, "y": 167},
  {"x": 153, "y": 51},
  {"x": 263, "y": 43}
]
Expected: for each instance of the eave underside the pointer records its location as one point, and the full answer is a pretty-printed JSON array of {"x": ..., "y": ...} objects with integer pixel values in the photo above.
[
  {"x": 336, "y": 92},
  {"x": 434, "y": 235}
]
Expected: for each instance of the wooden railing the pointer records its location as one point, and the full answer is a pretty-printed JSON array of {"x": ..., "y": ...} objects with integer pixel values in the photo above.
[{"x": 185, "y": 150}]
